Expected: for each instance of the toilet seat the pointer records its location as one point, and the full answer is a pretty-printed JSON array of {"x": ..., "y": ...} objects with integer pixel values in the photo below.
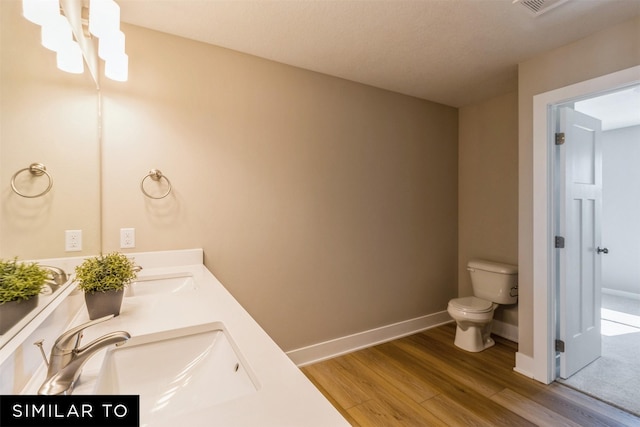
[{"x": 471, "y": 305}]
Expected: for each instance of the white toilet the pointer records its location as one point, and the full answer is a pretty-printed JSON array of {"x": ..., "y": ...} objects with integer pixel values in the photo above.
[{"x": 493, "y": 284}]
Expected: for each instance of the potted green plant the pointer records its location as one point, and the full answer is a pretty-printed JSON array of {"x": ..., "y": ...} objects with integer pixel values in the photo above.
[
  {"x": 20, "y": 285},
  {"x": 103, "y": 280}
]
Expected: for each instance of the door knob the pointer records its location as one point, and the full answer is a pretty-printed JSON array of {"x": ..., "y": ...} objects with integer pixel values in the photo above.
[{"x": 602, "y": 250}]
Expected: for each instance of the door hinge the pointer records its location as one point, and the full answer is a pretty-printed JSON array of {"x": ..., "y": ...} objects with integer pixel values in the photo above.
[
  {"x": 560, "y": 346},
  {"x": 559, "y": 138},
  {"x": 559, "y": 242}
]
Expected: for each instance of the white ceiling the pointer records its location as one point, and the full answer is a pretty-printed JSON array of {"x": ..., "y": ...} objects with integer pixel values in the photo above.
[
  {"x": 616, "y": 110},
  {"x": 455, "y": 52}
]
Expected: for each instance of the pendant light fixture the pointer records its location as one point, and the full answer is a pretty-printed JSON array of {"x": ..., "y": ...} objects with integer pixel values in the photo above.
[{"x": 101, "y": 21}]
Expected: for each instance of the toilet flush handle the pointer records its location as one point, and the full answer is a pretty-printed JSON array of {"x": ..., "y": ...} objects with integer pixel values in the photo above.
[{"x": 602, "y": 250}]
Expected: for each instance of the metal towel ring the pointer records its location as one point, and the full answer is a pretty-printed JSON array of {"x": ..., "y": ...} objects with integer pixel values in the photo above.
[
  {"x": 35, "y": 169},
  {"x": 155, "y": 175}
]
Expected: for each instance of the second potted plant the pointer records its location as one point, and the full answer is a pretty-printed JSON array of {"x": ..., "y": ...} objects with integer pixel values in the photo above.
[
  {"x": 103, "y": 280},
  {"x": 20, "y": 286}
]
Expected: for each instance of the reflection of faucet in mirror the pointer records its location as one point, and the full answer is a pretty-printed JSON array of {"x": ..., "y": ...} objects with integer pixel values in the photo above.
[
  {"x": 57, "y": 277},
  {"x": 32, "y": 229},
  {"x": 67, "y": 357}
]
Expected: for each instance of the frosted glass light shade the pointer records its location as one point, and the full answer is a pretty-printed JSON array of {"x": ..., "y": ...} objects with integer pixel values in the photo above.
[
  {"x": 117, "y": 68},
  {"x": 69, "y": 58},
  {"x": 104, "y": 17},
  {"x": 55, "y": 33},
  {"x": 40, "y": 11},
  {"x": 111, "y": 45}
]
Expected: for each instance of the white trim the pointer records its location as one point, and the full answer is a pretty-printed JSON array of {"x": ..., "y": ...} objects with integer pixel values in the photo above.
[
  {"x": 543, "y": 366},
  {"x": 524, "y": 365},
  {"x": 505, "y": 330},
  {"x": 623, "y": 294},
  {"x": 347, "y": 344}
]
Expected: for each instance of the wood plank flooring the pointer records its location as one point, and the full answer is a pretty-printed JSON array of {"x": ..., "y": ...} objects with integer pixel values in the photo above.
[{"x": 424, "y": 380}]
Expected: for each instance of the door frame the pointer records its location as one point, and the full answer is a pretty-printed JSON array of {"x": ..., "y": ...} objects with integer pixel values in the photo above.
[{"x": 543, "y": 364}]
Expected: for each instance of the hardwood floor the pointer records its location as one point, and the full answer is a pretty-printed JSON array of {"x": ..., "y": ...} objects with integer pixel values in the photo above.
[{"x": 424, "y": 380}]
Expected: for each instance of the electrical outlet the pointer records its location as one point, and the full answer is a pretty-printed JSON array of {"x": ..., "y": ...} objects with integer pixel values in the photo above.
[
  {"x": 73, "y": 240},
  {"x": 127, "y": 238}
]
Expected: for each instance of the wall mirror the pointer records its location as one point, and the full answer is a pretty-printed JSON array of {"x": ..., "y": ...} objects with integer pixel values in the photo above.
[{"x": 49, "y": 117}]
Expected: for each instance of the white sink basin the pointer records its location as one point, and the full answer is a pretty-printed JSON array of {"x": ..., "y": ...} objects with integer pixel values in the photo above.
[
  {"x": 154, "y": 285},
  {"x": 177, "y": 371}
]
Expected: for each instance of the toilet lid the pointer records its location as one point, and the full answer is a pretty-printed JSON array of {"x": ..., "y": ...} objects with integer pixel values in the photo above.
[{"x": 472, "y": 304}]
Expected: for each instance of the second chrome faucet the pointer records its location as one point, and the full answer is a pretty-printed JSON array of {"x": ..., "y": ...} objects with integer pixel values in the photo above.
[{"x": 67, "y": 357}]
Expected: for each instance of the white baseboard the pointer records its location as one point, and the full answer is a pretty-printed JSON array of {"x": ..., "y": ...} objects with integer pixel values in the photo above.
[
  {"x": 339, "y": 346},
  {"x": 505, "y": 330},
  {"x": 524, "y": 365},
  {"x": 624, "y": 294}
]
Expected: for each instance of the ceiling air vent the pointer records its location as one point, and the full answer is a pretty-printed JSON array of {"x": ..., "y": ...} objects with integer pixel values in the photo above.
[{"x": 538, "y": 7}]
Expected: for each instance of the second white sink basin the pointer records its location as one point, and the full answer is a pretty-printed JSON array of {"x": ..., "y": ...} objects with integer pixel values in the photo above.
[
  {"x": 177, "y": 371},
  {"x": 154, "y": 285}
]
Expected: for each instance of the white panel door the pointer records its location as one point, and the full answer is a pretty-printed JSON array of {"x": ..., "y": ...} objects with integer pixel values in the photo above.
[{"x": 579, "y": 262}]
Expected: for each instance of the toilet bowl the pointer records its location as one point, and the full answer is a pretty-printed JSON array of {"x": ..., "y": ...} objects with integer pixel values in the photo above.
[
  {"x": 493, "y": 284},
  {"x": 473, "y": 317}
]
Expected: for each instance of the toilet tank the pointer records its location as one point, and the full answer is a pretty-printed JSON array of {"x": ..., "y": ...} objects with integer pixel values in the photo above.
[{"x": 494, "y": 281}]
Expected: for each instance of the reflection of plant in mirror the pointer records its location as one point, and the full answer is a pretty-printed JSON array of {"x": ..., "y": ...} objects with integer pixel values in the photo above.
[
  {"x": 20, "y": 281},
  {"x": 113, "y": 271}
]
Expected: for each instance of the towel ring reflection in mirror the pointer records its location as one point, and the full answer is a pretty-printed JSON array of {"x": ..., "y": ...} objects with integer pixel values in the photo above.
[
  {"x": 155, "y": 175},
  {"x": 35, "y": 169}
]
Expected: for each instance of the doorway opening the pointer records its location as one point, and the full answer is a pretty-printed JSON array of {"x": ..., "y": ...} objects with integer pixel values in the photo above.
[
  {"x": 542, "y": 364},
  {"x": 597, "y": 272}
]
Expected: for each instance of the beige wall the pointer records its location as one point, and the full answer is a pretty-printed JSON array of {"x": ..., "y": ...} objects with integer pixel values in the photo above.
[
  {"x": 488, "y": 188},
  {"x": 326, "y": 207},
  {"x": 51, "y": 117},
  {"x": 611, "y": 50}
]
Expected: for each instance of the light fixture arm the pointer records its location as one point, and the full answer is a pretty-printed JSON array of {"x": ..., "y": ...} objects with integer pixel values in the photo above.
[{"x": 73, "y": 10}]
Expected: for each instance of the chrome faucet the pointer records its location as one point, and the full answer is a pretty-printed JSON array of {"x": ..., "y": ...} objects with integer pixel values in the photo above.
[
  {"x": 67, "y": 357},
  {"x": 57, "y": 277}
]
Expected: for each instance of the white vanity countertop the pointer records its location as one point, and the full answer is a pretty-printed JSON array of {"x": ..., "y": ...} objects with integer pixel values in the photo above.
[{"x": 285, "y": 396}]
